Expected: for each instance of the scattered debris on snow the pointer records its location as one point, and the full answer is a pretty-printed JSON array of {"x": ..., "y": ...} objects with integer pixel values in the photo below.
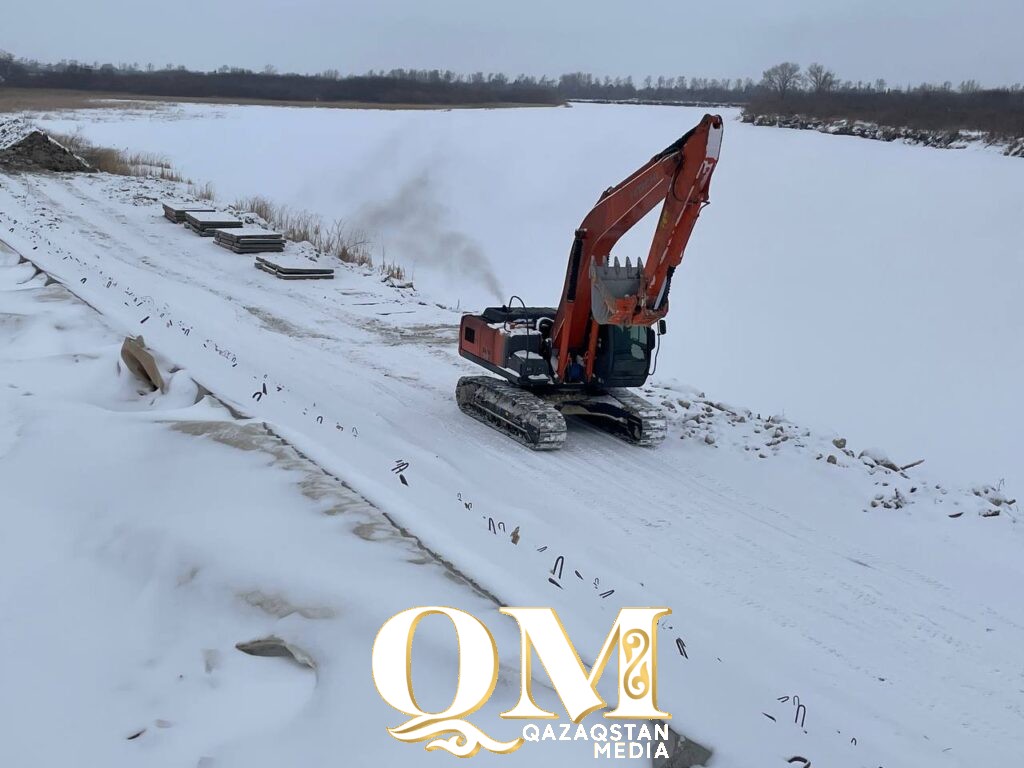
[
  {"x": 714, "y": 424},
  {"x": 938, "y": 139}
]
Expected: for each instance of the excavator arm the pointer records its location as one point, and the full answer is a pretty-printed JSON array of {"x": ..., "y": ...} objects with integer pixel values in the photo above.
[{"x": 599, "y": 291}]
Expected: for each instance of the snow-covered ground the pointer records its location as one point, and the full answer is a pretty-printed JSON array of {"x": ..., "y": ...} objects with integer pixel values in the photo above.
[
  {"x": 885, "y": 600},
  {"x": 867, "y": 288},
  {"x": 146, "y": 535}
]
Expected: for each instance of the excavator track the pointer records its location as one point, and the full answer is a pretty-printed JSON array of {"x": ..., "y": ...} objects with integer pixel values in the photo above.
[
  {"x": 618, "y": 412},
  {"x": 649, "y": 418},
  {"x": 517, "y": 412}
]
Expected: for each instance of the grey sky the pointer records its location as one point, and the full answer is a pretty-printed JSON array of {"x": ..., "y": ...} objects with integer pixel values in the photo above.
[{"x": 904, "y": 41}]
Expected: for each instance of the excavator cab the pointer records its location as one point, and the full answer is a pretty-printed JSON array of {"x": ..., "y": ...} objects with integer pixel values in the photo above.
[{"x": 623, "y": 356}]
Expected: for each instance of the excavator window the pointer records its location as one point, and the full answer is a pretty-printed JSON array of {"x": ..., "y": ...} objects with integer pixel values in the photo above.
[
  {"x": 469, "y": 334},
  {"x": 638, "y": 342},
  {"x": 623, "y": 355}
]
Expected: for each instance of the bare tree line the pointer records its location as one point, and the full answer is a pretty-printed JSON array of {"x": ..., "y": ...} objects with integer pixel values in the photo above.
[
  {"x": 784, "y": 89},
  {"x": 395, "y": 85},
  {"x": 818, "y": 93}
]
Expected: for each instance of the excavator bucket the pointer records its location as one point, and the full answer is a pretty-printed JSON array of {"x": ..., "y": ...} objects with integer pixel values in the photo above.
[{"x": 615, "y": 291}]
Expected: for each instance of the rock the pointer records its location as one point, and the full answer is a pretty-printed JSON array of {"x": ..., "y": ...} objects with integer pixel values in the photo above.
[
  {"x": 709, "y": 439},
  {"x": 271, "y": 645},
  {"x": 832, "y": 459},
  {"x": 875, "y": 457},
  {"x": 839, "y": 442},
  {"x": 139, "y": 360}
]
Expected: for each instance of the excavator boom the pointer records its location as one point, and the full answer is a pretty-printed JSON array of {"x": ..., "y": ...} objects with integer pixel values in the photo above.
[{"x": 597, "y": 292}]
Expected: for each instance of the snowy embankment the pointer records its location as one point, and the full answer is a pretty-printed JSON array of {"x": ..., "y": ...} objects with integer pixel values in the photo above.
[
  {"x": 914, "y": 136},
  {"x": 794, "y": 563},
  {"x": 831, "y": 279}
]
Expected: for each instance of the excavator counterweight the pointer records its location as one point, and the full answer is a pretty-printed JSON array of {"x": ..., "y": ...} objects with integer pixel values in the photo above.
[{"x": 580, "y": 357}]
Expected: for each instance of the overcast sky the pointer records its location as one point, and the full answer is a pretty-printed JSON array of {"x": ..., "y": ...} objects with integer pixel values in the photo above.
[{"x": 904, "y": 41}]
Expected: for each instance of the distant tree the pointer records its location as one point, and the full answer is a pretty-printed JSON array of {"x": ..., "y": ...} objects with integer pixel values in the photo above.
[
  {"x": 782, "y": 78},
  {"x": 270, "y": 69},
  {"x": 970, "y": 86},
  {"x": 6, "y": 65},
  {"x": 821, "y": 80}
]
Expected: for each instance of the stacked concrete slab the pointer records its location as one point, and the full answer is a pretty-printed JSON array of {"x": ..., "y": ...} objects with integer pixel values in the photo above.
[
  {"x": 205, "y": 223},
  {"x": 292, "y": 268},
  {"x": 249, "y": 240},
  {"x": 176, "y": 211}
]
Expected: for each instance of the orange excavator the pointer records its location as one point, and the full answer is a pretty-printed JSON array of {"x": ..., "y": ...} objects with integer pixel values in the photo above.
[{"x": 581, "y": 357}]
